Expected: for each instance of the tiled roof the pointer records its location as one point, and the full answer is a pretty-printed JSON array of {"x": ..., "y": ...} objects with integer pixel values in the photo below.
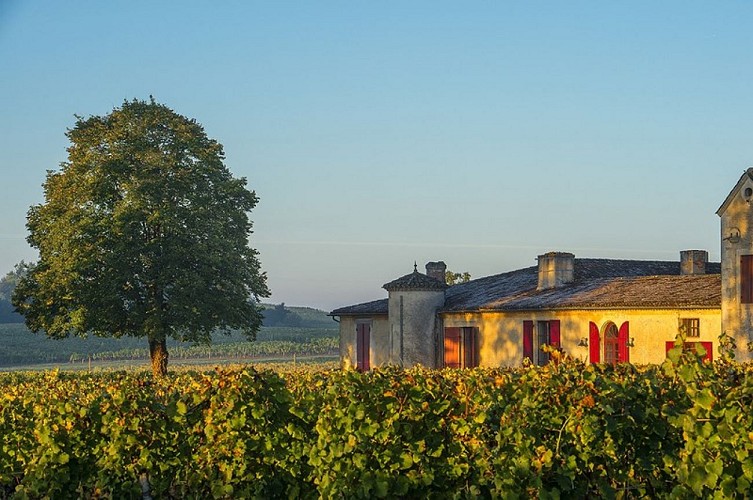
[
  {"x": 376, "y": 307},
  {"x": 414, "y": 281},
  {"x": 599, "y": 283}
]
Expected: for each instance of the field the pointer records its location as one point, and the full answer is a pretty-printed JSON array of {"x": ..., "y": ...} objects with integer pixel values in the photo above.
[
  {"x": 679, "y": 430},
  {"x": 317, "y": 336}
]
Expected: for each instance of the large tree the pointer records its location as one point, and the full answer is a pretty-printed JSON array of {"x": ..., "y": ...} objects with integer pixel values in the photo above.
[{"x": 144, "y": 232}]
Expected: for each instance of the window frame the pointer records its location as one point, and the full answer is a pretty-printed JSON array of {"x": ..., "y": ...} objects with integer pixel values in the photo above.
[
  {"x": 543, "y": 337},
  {"x": 691, "y": 327},
  {"x": 537, "y": 334}
]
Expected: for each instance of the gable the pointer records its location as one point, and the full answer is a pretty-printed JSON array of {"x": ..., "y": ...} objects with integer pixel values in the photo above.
[{"x": 745, "y": 179}]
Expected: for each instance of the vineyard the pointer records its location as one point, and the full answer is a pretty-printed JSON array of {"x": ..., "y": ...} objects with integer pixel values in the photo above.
[
  {"x": 20, "y": 347},
  {"x": 677, "y": 430},
  {"x": 231, "y": 350}
]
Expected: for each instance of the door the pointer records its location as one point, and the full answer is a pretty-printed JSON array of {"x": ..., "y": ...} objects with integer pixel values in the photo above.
[{"x": 611, "y": 344}]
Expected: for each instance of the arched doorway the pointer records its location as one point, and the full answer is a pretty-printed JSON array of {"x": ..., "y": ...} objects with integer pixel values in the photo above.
[{"x": 611, "y": 344}]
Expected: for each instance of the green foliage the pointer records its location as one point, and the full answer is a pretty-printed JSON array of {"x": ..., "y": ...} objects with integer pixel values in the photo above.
[
  {"x": 452, "y": 278},
  {"x": 228, "y": 350},
  {"x": 679, "y": 430},
  {"x": 144, "y": 233}
]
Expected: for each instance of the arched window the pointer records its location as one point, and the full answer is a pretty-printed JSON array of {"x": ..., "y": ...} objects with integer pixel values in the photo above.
[{"x": 611, "y": 344}]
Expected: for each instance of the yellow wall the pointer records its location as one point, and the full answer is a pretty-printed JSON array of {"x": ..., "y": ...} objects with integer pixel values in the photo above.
[
  {"x": 501, "y": 343},
  {"x": 379, "y": 347},
  {"x": 737, "y": 240}
]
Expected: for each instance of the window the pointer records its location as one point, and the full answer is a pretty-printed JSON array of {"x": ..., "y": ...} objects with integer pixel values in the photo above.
[
  {"x": 691, "y": 327},
  {"x": 542, "y": 337},
  {"x": 547, "y": 333},
  {"x": 746, "y": 279},
  {"x": 461, "y": 347}
]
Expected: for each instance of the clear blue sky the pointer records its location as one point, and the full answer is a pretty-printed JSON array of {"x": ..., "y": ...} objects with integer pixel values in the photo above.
[{"x": 379, "y": 133}]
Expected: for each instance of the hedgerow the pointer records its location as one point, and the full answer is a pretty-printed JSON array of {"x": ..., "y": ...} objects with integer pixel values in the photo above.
[{"x": 680, "y": 429}]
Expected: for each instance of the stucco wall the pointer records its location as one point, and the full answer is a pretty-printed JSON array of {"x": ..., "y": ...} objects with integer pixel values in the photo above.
[
  {"x": 501, "y": 343},
  {"x": 737, "y": 318},
  {"x": 379, "y": 345},
  {"x": 416, "y": 325}
]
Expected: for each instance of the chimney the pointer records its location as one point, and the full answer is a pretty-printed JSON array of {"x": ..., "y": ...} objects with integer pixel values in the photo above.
[
  {"x": 556, "y": 269},
  {"x": 436, "y": 270},
  {"x": 693, "y": 262}
]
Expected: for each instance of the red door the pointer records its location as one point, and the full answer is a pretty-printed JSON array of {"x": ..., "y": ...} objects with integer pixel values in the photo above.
[
  {"x": 363, "y": 353},
  {"x": 452, "y": 347}
]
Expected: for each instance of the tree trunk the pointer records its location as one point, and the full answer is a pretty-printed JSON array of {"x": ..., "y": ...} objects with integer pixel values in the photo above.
[{"x": 158, "y": 354}]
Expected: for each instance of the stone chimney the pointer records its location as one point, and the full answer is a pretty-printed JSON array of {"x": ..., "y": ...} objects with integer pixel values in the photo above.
[
  {"x": 693, "y": 261},
  {"x": 436, "y": 270},
  {"x": 556, "y": 269}
]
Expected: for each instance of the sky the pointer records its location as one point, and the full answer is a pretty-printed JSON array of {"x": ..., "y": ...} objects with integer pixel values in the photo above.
[{"x": 379, "y": 134}]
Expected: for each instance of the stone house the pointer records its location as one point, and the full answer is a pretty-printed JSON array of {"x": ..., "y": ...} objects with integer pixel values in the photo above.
[{"x": 599, "y": 310}]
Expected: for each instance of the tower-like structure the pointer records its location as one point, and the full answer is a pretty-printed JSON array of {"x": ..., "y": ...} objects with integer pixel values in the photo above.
[
  {"x": 413, "y": 301},
  {"x": 736, "y": 215}
]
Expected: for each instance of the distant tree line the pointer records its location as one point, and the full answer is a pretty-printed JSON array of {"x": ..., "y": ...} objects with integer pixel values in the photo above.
[
  {"x": 7, "y": 285},
  {"x": 278, "y": 315}
]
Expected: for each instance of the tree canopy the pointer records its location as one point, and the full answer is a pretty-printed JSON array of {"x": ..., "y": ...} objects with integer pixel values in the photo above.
[
  {"x": 143, "y": 232},
  {"x": 452, "y": 278}
]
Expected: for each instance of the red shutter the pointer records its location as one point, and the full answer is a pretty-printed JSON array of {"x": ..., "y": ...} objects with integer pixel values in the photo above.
[
  {"x": 554, "y": 333},
  {"x": 746, "y": 279},
  {"x": 528, "y": 340},
  {"x": 470, "y": 347},
  {"x": 623, "y": 353},
  {"x": 708, "y": 346},
  {"x": 669, "y": 345},
  {"x": 452, "y": 347},
  {"x": 363, "y": 334},
  {"x": 594, "y": 342}
]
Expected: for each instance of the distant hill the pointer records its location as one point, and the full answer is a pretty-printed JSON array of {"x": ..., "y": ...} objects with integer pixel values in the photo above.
[{"x": 298, "y": 317}]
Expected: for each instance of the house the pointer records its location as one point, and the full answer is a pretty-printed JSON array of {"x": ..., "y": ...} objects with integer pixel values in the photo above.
[{"x": 598, "y": 310}]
